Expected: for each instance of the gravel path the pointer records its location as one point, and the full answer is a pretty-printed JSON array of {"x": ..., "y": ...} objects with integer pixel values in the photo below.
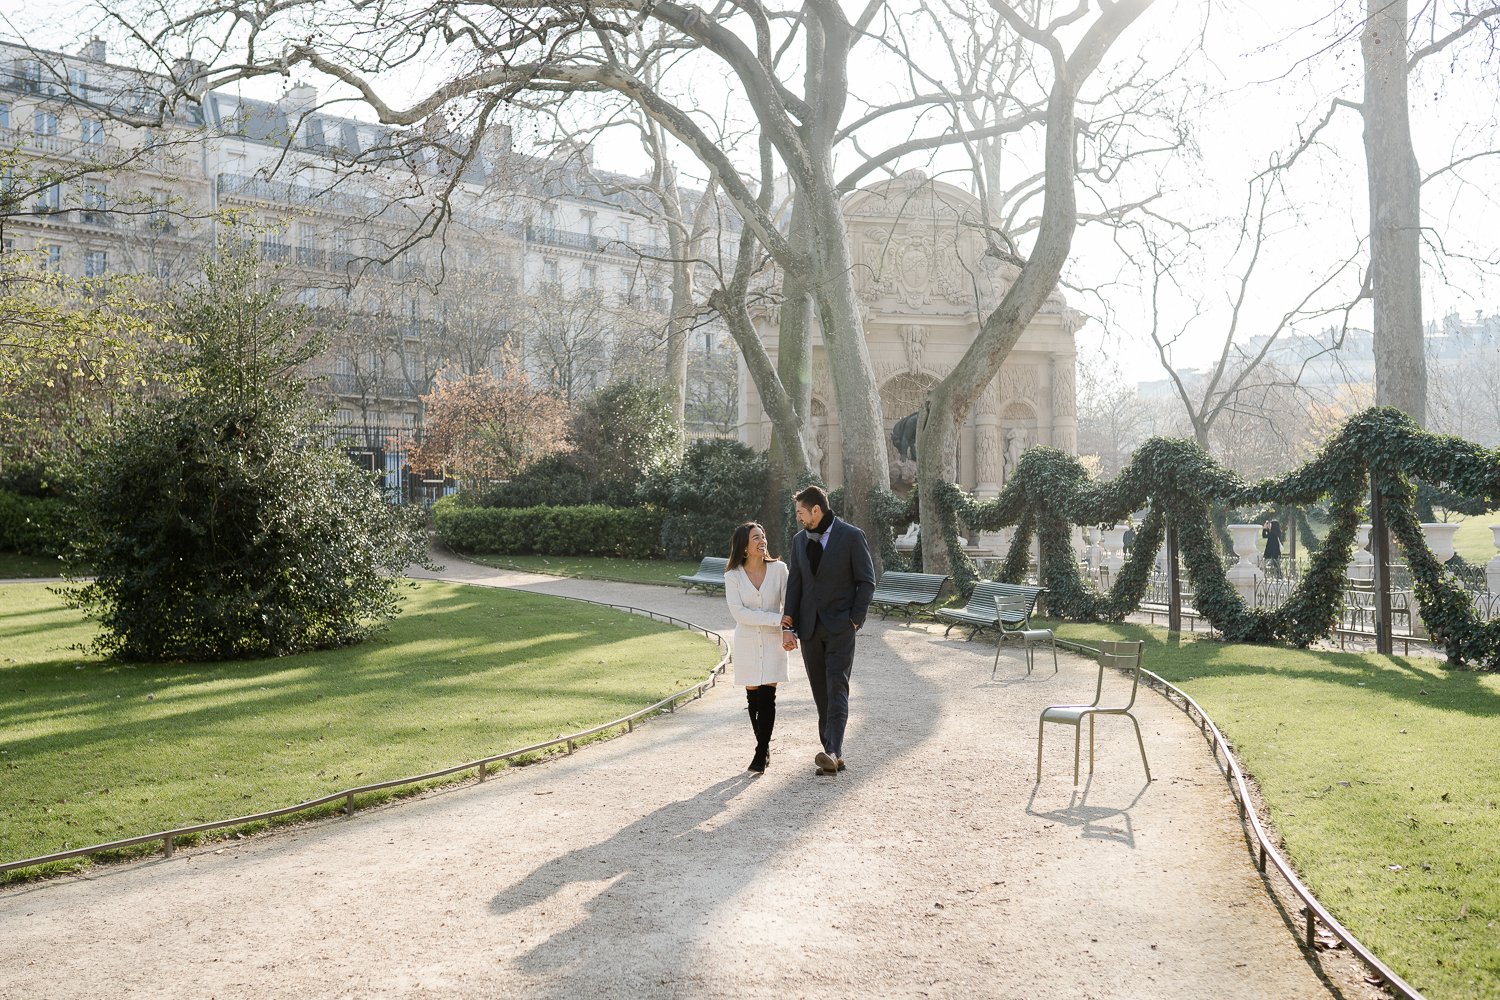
[{"x": 654, "y": 866}]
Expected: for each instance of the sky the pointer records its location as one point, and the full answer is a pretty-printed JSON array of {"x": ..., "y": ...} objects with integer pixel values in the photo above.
[{"x": 1265, "y": 74}]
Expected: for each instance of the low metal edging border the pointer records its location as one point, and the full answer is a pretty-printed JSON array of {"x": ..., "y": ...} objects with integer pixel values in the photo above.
[
  {"x": 668, "y": 703},
  {"x": 1315, "y": 911}
]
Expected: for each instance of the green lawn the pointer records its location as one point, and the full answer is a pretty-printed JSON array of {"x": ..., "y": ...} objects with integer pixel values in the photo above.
[
  {"x": 14, "y": 566},
  {"x": 92, "y": 751},
  {"x": 661, "y": 571},
  {"x": 1380, "y": 773},
  {"x": 1474, "y": 540}
]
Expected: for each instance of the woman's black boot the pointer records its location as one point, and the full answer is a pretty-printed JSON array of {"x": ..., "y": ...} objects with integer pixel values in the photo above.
[
  {"x": 766, "y": 722},
  {"x": 753, "y": 707}
]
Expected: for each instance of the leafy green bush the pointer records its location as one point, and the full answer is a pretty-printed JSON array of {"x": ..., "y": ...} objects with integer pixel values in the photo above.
[
  {"x": 215, "y": 527},
  {"x": 558, "y": 481},
  {"x": 621, "y": 437},
  {"x": 36, "y": 526},
  {"x": 719, "y": 485},
  {"x": 560, "y": 531}
]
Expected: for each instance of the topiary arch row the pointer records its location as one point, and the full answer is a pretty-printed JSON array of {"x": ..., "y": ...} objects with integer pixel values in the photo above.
[{"x": 1181, "y": 484}]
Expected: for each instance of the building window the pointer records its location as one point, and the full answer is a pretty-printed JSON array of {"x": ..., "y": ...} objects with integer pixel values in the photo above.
[
  {"x": 44, "y": 123},
  {"x": 590, "y": 277},
  {"x": 92, "y": 131},
  {"x": 31, "y": 76},
  {"x": 78, "y": 82},
  {"x": 164, "y": 272},
  {"x": 95, "y": 263},
  {"x": 4, "y": 116},
  {"x": 552, "y": 273},
  {"x": 49, "y": 198},
  {"x": 53, "y": 260},
  {"x": 589, "y": 218},
  {"x": 625, "y": 231},
  {"x": 95, "y": 196}
]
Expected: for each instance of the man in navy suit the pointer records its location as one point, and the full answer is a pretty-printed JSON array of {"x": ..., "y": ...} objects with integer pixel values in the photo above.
[{"x": 827, "y": 596}]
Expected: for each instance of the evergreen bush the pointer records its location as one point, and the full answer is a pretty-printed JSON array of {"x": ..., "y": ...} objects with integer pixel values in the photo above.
[
  {"x": 589, "y": 530},
  {"x": 215, "y": 525},
  {"x": 719, "y": 485},
  {"x": 36, "y": 526}
]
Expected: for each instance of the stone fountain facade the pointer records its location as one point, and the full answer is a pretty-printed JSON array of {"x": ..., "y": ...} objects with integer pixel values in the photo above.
[{"x": 924, "y": 281}]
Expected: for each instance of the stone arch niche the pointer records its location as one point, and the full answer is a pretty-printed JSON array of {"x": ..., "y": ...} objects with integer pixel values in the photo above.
[
  {"x": 901, "y": 395},
  {"x": 924, "y": 283},
  {"x": 1017, "y": 432}
]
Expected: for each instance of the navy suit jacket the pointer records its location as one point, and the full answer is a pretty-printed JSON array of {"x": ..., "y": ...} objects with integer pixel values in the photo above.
[{"x": 839, "y": 595}]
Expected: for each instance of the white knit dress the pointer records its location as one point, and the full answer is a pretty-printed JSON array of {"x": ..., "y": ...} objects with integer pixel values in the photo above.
[{"x": 758, "y": 656}]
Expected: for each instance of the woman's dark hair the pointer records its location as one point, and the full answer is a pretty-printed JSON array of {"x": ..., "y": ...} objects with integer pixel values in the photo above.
[
  {"x": 739, "y": 545},
  {"x": 1276, "y": 526}
]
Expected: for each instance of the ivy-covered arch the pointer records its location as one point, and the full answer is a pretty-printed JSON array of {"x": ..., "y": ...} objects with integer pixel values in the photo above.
[{"x": 1179, "y": 483}]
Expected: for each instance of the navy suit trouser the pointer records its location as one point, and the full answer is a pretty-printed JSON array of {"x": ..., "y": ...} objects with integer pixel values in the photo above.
[{"x": 829, "y": 660}]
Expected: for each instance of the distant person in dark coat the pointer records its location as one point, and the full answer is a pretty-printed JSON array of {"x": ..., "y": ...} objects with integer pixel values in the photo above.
[{"x": 1271, "y": 532}]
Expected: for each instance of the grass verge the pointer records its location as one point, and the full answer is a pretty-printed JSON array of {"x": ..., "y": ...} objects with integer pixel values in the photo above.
[
  {"x": 92, "y": 750},
  {"x": 659, "y": 571},
  {"x": 1474, "y": 540},
  {"x": 14, "y": 566},
  {"x": 1379, "y": 773}
]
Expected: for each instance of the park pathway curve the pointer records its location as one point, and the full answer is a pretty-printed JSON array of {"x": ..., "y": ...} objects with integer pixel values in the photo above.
[{"x": 653, "y": 866}]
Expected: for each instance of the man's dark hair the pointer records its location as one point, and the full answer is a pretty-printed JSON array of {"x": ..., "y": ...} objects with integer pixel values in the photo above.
[{"x": 813, "y": 496}]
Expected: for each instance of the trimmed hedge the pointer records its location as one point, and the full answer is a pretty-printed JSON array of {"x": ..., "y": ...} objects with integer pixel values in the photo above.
[
  {"x": 33, "y": 526},
  {"x": 591, "y": 530}
]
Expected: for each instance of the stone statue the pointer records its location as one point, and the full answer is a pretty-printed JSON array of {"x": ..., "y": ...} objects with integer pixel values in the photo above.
[
  {"x": 904, "y": 437},
  {"x": 1015, "y": 445}
]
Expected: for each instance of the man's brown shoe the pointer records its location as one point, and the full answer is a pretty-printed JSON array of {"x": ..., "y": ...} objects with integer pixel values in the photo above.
[{"x": 826, "y": 762}]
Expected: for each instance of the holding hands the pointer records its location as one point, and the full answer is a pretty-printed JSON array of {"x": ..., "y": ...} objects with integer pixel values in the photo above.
[{"x": 788, "y": 637}]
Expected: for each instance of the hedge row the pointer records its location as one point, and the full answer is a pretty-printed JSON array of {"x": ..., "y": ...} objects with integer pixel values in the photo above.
[
  {"x": 594, "y": 530},
  {"x": 31, "y": 525}
]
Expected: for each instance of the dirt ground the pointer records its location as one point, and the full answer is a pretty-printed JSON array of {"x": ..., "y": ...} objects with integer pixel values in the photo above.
[{"x": 654, "y": 865}]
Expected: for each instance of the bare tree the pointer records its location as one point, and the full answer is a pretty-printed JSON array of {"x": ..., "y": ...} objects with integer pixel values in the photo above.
[{"x": 1037, "y": 275}]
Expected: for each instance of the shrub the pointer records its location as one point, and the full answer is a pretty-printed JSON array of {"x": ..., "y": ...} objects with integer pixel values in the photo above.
[
  {"x": 36, "y": 526},
  {"x": 558, "y": 481},
  {"x": 719, "y": 485},
  {"x": 214, "y": 528},
  {"x": 591, "y": 530}
]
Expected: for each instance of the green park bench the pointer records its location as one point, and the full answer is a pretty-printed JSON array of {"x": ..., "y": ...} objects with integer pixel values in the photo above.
[
  {"x": 710, "y": 575},
  {"x": 912, "y": 593},
  {"x": 982, "y": 613}
]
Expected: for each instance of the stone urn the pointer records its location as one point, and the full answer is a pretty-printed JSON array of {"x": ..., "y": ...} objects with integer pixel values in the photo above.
[
  {"x": 1492, "y": 568},
  {"x": 1244, "y": 574},
  {"x": 1439, "y": 536},
  {"x": 1095, "y": 552},
  {"x": 1113, "y": 543},
  {"x": 1362, "y": 565}
]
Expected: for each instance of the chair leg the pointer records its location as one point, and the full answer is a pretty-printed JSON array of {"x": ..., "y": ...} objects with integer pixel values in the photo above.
[
  {"x": 1041, "y": 725},
  {"x": 1091, "y": 744},
  {"x": 1077, "y": 739},
  {"x": 1054, "y": 656},
  {"x": 1140, "y": 743},
  {"x": 996, "y": 667}
]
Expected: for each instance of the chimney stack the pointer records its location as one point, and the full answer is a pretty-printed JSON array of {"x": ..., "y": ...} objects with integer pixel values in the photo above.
[{"x": 95, "y": 49}]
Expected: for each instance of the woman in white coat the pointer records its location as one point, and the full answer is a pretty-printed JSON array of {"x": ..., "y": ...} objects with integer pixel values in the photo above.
[{"x": 754, "y": 587}]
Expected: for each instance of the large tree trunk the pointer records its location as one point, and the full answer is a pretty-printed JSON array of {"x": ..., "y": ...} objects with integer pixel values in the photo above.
[
  {"x": 1395, "y": 258},
  {"x": 866, "y": 467}
]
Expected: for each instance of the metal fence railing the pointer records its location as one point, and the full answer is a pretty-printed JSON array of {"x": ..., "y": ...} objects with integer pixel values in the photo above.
[{"x": 1267, "y": 856}]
